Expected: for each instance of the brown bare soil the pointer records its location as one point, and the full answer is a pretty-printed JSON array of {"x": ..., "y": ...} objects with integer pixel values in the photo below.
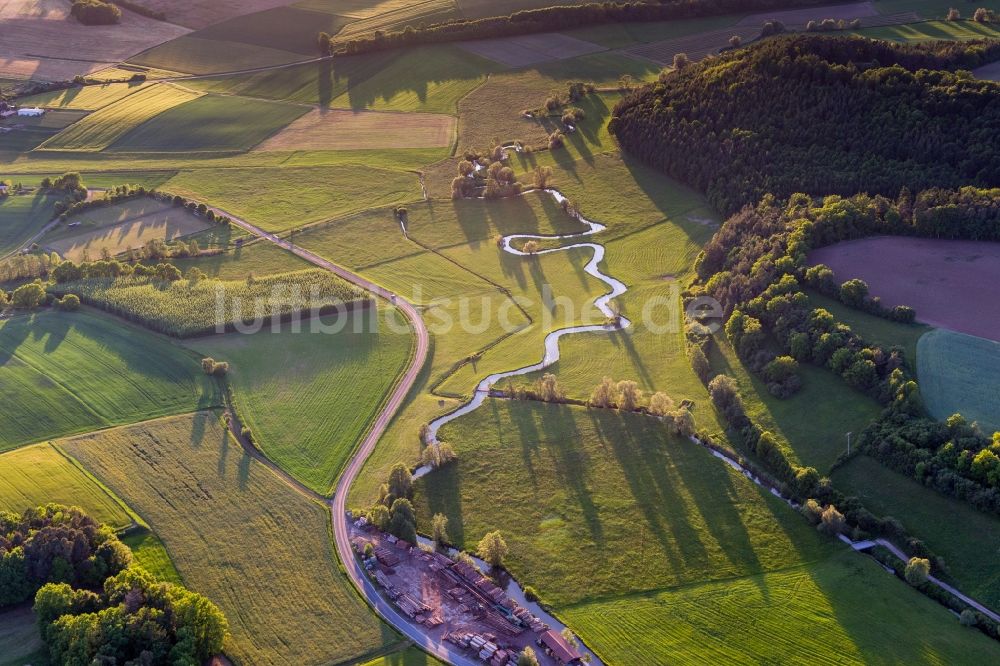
[
  {"x": 531, "y": 49},
  {"x": 951, "y": 284},
  {"x": 341, "y": 129},
  {"x": 990, "y": 72},
  {"x": 39, "y": 39}
]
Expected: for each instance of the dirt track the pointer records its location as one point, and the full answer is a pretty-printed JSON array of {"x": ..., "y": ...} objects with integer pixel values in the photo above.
[{"x": 951, "y": 284}]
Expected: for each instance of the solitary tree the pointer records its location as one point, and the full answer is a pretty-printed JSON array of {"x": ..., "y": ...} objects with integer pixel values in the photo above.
[
  {"x": 631, "y": 395},
  {"x": 681, "y": 61},
  {"x": 400, "y": 481},
  {"x": 548, "y": 388},
  {"x": 660, "y": 404},
  {"x": 832, "y": 521},
  {"x": 527, "y": 657},
  {"x": 917, "y": 570},
  {"x": 605, "y": 394},
  {"x": 439, "y": 529},
  {"x": 492, "y": 549},
  {"x": 735, "y": 41},
  {"x": 954, "y": 14}
]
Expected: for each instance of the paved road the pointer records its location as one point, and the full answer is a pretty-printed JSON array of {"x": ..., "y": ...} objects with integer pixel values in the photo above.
[{"x": 338, "y": 505}]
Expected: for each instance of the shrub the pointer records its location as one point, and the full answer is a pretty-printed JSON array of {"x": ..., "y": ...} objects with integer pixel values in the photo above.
[
  {"x": 69, "y": 303},
  {"x": 954, "y": 14},
  {"x": 917, "y": 571}
]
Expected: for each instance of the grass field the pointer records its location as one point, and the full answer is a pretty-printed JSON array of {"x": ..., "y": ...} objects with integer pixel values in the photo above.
[
  {"x": 210, "y": 123},
  {"x": 43, "y": 474},
  {"x": 120, "y": 227},
  {"x": 309, "y": 396},
  {"x": 195, "y": 55},
  {"x": 874, "y": 329},
  {"x": 40, "y": 474},
  {"x": 291, "y": 29},
  {"x": 89, "y": 98},
  {"x": 20, "y": 642},
  {"x": 22, "y": 216},
  {"x": 408, "y": 657},
  {"x": 104, "y": 127},
  {"x": 832, "y": 612},
  {"x": 239, "y": 535},
  {"x": 583, "y": 486},
  {"x": 812, "y": 425},
  {"x": 286, "y": 198},
  {"x": 934, "y": 30},
  {"x": 967, "y": 539},
  {"x": 958, "y": 373},
  {"x": 68, "y": 373},
  {"x": 24, "y": 134},
  {"x": 237, "y": 263}
]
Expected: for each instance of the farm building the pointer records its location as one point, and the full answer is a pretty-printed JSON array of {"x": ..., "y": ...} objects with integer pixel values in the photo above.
[
  {"x": 561, "y": 651},
  {"x": 30, "y": 112}
]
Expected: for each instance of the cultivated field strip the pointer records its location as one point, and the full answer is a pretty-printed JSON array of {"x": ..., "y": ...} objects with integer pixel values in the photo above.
[
  {"x": 430, "y": 11},
  {"x": 105, "y": 126},
  {"x": 530, "y": 49}
]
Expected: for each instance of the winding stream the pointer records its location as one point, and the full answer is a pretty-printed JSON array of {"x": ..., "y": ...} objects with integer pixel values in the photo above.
[{"x": 551, "y": 354}]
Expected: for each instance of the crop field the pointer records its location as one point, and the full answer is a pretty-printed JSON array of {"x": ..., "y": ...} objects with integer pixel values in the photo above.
[
  {"x": 118, "y": 228},
  {"x": 959, "y": 373},
  {"x": 40, "y": 474},
  {"x": 87, "y": 98},
  {"x": 309, "y": 396},
  {"x": 22, "y": 216},
  {"x": 831, "y": 612},
  {"x": 584, "y": 486},
  {"x": 239, "y": 535},
  {"x": 354, "y": 8},
  {"x": 103, "y": 127},
  {"x": 941, "y": 279},
  {"x": 286, "y": 198},
  {"x": 68, "y": 50},
  {"x": 67, "y": 373},
  {"x": 967, "y": 539},
  {"x": 189, "y": 307},
  {"x": 334, "y": 129},
  {"x": 409, "y": 657},
  {"x": 238, "y": 263},
  {"x": 210, "y": 123},
  {"x": 396, "y": 16},
  {"x": 201, "y": 13},
  {"x": 933, "y": 30},
  {"x": 193, "y": 55}
]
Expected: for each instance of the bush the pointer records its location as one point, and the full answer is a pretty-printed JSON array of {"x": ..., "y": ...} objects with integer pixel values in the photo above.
[
  {"x": 95, "y": 12},
  {"x": 68, "y": 303},
  {"x": 917, "y": 571}
]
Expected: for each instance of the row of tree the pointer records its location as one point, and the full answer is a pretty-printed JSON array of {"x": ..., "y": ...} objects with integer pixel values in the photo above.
[
  {"x": 855, "y": 115},
  {"x": 550, "y": 19},
  {"x": 95, "y": 12}
]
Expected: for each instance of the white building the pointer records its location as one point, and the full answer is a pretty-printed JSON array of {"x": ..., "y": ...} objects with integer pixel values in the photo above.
[{"x": 31, "y": 112}]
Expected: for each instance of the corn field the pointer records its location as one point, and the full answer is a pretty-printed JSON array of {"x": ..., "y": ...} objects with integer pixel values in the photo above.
[{"x": 188, "y": 308}]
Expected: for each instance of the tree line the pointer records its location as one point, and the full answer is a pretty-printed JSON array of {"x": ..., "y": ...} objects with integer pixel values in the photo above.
[
  {"x": 756, "y": 266},
  {"x": 550, "y": 19},
  {"x": 823, "y": 115},
  {"x": 93, "y": 604}
]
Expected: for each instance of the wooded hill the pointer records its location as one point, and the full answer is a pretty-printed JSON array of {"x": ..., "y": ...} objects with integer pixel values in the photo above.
[{"x": 821, "y": 115}]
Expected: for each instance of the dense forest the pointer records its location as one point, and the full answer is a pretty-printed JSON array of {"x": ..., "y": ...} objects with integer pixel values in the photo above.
[{"x": 820, "y": 115}]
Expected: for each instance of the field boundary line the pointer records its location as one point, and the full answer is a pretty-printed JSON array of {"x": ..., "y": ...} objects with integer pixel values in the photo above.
[{"x": 136, "y": 519}]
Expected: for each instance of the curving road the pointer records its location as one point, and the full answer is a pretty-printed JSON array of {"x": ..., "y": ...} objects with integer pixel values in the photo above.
[{"x": 338, "y": 504}]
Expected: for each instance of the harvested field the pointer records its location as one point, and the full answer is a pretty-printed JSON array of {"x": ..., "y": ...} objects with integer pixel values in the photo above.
[
  {"x": 949, "y": 283},
  {"x": 242, "y": 537},
  {"x": 960, "y": 374},
  {"x": 483, "y": 8},
  {"x": 335, "y": 129},
  {"x": 530, "y": 49},
  {"x": 399, "y": 16},
  {"x": 283, "y": 28},
  {"x": 102, "y": 128},
  {"x": 135, "y": 231},
  {"x": 89, "y": 98},
  {"x": 799, "y": 17},
  {"x": 358, "y": 9},
  {"x": 38, "y": 39}
]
